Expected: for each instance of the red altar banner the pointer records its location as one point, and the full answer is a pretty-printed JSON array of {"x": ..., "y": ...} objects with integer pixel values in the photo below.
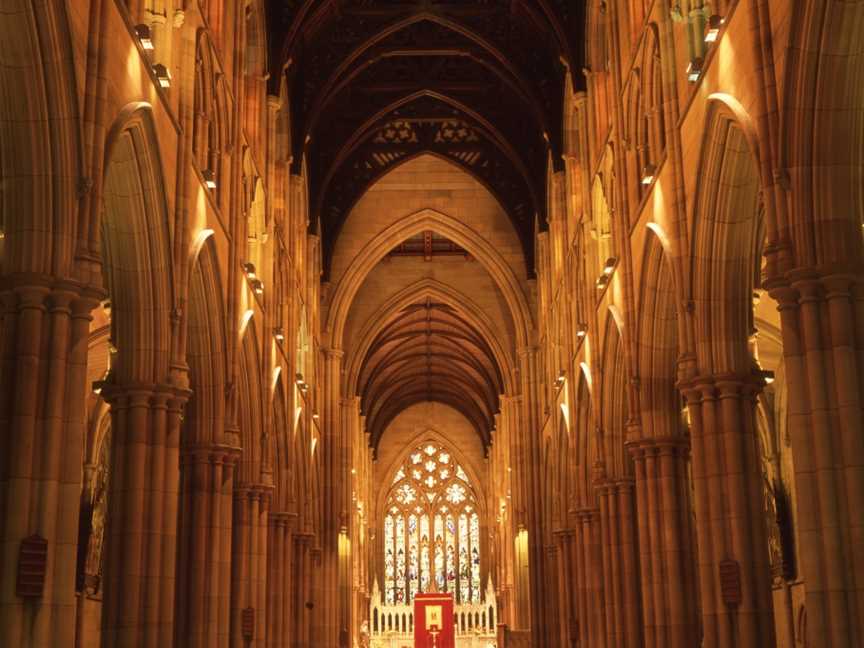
[{"x": 433, "y": 621}]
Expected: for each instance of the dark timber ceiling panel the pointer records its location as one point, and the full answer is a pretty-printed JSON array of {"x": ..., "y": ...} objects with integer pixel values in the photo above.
[
  {"x": 429, "y": 352},
  {"x": 374, "y": 83}
]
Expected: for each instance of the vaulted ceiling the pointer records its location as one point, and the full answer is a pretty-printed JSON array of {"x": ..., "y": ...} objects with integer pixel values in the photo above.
[
  {"x": 374, "y": 83},
  {"x": 429, "y": 351}
]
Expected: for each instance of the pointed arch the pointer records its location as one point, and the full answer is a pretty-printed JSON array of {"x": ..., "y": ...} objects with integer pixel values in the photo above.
[{"x": 136, "y": 249}]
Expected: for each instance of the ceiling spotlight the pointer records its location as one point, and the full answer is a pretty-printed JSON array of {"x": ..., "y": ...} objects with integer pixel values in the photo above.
[
  {"x": 144, "y": 37},
  {"x": 694, "y": 70},
  {"x": 209, "y": 179},
  {"x": 648, "y": 174},
  {"x": 163, "y": 75},
  {"x": 712, "y": 29}
]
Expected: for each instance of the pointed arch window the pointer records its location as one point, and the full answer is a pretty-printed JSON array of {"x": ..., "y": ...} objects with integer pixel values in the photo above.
[{"x": 431, "y": 529}]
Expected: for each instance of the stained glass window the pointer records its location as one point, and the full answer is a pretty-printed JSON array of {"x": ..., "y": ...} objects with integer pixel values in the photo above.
[{"x": 431, "y": 529}]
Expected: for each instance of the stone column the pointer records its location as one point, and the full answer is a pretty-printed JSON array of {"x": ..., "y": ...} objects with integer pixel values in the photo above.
[
  {"x": 204, "y": 567},
  {"x": 327, "y": 616},
  {"x": 564, "y": 540},
  {"x": 589, "y": 575},
  {"x": 666, "y": 559},
  {"x": 531, "y": 497},
  {"x": 141, "y": 537},
  {"x": 280, "y": 579},
  {"x": 43, "y": 371},
  {"x": 620, "y": 562},
  {"x": 734, "y": 567},
  {"x": 248, "y": 565},
  {"x": 823, "y": 348},
  {"x": 301, "y": 592}
]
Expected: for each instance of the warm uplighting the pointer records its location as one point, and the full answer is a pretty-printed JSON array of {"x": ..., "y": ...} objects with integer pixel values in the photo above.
[
  {"x": 249, "y": 269},
  {"x": 602, "y": 281},
  {"x": 163, "y": 75},
  {"x": 559, "y": 381},
  {"x": 694, "y": 70},
  {"x": 209, "y": 179},
  {"x": 609, "y": 266},
  {"x": 648, "y": 174},
  {"x": 315, "y": 416},
  {"x": 768, "y": 376},
  {"x": 258, "y": 286},
  {"x": 279, "y": 334},
  {"x": 2, "y": 235},
  {"x": 581, "y": 330},
  {"x": 144, "y": 36},
  {"x": 712, "y": 29}
]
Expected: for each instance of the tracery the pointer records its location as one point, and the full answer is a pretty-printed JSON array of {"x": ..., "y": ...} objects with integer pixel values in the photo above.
[{"x": 431, "y": 529}]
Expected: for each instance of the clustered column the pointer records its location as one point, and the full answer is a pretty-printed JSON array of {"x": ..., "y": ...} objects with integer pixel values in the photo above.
[
  {"x": 143, "y": 499},
  {"x": 620, "y": 562},
  {"x": 665, "y": 542},
  {"x": 734, "y": 568},
  {"x": 249, "y": 565},
  {"x": 204, "y": 588},
  {"x": 589, "y": 589}
]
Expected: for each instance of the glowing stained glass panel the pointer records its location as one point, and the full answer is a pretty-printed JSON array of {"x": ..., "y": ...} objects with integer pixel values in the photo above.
[{"x": 432, "y": 529}]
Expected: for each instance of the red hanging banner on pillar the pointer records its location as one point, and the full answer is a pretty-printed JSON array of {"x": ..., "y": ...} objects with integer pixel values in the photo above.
[{"x": 433, "y": 621}]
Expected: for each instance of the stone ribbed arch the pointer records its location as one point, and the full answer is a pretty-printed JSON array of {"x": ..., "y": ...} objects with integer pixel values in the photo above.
[
  {"x": 39, "y": 126},
  {"x": 584, "y": 451},
  {"x": 821, "y": 132},
  {"x": 250, "y": 416},
  {"x": 449, "y": 227},
  {"x": 419, "y": 291},
  {"x": 657, "y": 345},
  {"x": 136, "y": 249},
  {"x": 614, "y": 409},
  {"x": 727, "y": 244},
  {"x": 206, "y": 351}
]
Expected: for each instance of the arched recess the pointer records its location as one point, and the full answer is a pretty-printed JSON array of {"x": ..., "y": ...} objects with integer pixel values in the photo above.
[
  {"x": 583, "y": 447},
  {"x": 206, "y": 352},
  {"x": 255, "y": 71},
  {"x": 821, "y": 133},
  {"x": 40, "y": 164},
  {"x": 727, "y": 246},
  {"x": 449, "y": 227},
  {"x": 210, "y": 135},
  {"x": 253, "y": 459},
  {"x": 656, "y": 345},
  {"x": 136, "y": 250},
  {"x": 284, "y": 456},
  {"x": 614, "y": 410}
]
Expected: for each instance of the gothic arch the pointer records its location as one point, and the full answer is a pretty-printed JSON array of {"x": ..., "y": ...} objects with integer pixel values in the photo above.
[
  {"x": 42, "y": 157},
  {"x": 136, "y": 250},
  {"x": 451, "y": 228},
  {"x": 250, "y": 415},
  {"x": 727, "y": 246},
  {"x": 615, "y": 408}
]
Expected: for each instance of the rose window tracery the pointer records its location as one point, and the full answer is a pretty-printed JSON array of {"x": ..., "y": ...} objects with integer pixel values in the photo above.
[{"x": 431, "y": 529}]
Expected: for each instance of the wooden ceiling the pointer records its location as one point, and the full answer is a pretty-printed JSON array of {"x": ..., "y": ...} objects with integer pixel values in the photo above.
[
  {"x": 428, "y": 351},
  {"x": 374, "y": 83}
]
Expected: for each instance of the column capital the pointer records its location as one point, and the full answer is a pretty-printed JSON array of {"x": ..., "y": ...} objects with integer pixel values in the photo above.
[
  {"x": 211, "y": 453},
  {"x": 674, "y": 445}
]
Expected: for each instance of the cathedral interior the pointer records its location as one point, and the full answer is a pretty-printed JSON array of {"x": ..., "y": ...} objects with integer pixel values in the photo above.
[{"x": 311, "y": 310}]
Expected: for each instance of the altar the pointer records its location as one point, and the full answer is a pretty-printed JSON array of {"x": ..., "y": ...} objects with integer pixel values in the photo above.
[{"x": 464, "y": 625}]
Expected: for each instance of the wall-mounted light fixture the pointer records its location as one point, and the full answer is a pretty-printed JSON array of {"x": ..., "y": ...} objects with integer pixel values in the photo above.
[
  {"x": 694, "y": 70},
  {"x": 602, "y": 281},
  {"x": 162, "y": 74},
  {"x": 648, "y": 172},
  {"x": 559, "y": 381},
  {"x": 144, "y": 36},
  {"x": 279, "y": 333},
  {"x": 249, "y": 269},
  {"x": 258, "y": 286},
  {"x": 712, "y": 28},
  {"x": 209, "y": 179},
  {"x": 581, "y": 330},
  {"x": 609, "y": 266},
  {"x": 315, "y": 416},
  {"x": 768, "y": 376}
]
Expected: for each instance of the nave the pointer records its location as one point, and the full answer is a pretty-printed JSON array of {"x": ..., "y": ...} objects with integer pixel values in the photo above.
[{"x": 431, "y": 323}]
